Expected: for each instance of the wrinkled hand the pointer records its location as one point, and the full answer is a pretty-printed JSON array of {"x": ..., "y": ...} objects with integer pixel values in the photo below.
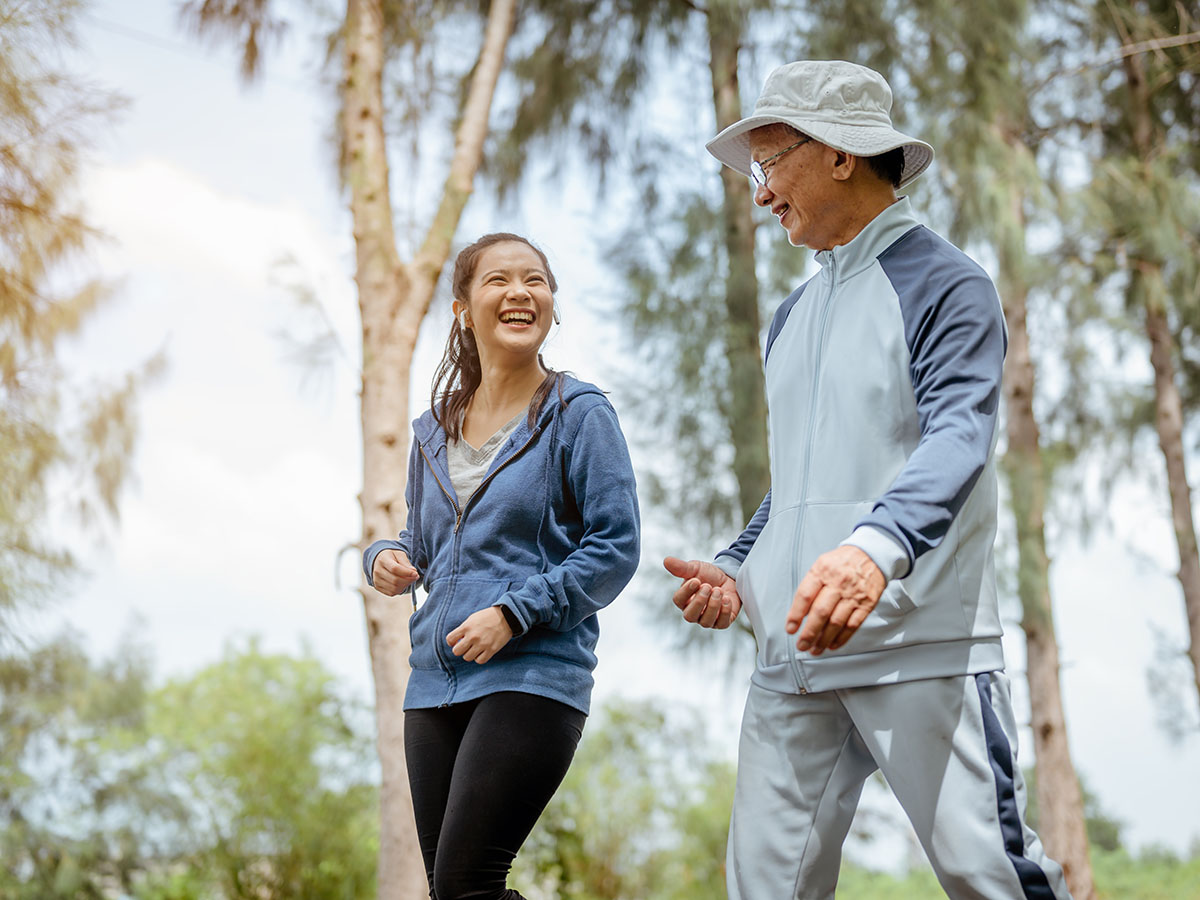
[
  {"x": 834, "y": 599},
  {"x": 392, "y": 572},
  {"x": 481, "y": 636},
  {"x": 707, "y": 596}
]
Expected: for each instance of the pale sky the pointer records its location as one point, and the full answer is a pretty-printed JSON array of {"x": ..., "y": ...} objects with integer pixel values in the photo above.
[{"x": 246, "y": 475}]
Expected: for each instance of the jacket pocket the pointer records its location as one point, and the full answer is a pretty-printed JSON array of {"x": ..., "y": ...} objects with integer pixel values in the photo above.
[
  {"x": 421, "y": 627},
  {"x": 472, "y": 595}
]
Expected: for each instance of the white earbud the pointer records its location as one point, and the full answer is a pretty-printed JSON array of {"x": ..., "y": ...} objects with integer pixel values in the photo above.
[
  {"x": 462, "y": 320},
  {"x": 556, "y": 316}
]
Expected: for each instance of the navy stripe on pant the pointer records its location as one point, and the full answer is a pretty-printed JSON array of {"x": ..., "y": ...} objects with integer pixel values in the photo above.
[{"x": 1033, "y": 880}]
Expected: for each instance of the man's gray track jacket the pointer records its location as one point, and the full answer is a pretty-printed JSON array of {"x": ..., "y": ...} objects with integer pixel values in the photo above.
[{"x": 883, "y": 376}]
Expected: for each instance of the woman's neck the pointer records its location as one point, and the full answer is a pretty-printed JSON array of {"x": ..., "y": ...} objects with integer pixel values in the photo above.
[
  {"x": 502, "y": 393},
  {"x": 505, "y": 387}
]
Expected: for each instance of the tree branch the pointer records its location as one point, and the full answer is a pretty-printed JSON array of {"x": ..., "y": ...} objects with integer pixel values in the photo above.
[
  {"x": 1123, "y": 52},
  {"x": 468, "y": 143},
  {"x": 1178, "y": 40}
]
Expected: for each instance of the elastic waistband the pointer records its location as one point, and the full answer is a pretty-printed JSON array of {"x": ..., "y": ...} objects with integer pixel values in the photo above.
[{"x": 831, "y": 672}]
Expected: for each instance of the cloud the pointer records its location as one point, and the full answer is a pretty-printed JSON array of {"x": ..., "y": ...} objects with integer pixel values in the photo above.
[{"x": 166, "y": 218}]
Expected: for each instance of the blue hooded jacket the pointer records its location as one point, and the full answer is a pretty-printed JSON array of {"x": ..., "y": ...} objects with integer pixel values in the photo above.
[{"x": 551, "y": 533}]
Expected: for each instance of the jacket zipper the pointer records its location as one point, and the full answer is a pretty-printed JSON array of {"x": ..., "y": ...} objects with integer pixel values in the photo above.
[
  {"x": 797, "y": 669},
  {"x": 492, "y": 475},
  {"x": 449, "y": 496},
  {"x": 441, "y": 623},
  {"x": 458, "y": 517}
]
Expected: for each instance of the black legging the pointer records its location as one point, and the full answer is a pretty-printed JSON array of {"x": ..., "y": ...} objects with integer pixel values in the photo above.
[{"x": 481, "y": 773}]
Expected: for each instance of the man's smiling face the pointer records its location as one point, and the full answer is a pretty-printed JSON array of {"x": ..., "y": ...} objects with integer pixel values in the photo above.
[{"x": 795, "y": 192}]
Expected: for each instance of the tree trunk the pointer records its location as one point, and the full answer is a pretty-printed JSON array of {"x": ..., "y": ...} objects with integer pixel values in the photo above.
[
  {"x": 393, "y": 299},
  {"x": 1168, "y": 421},
  {"x": 1060, "y": 801},
  {"x": 748, "y": 405},
  {"x": 1168, "y": 407}
]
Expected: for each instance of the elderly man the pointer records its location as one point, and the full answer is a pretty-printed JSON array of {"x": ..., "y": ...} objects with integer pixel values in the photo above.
[{"x": 867, "y": 571}]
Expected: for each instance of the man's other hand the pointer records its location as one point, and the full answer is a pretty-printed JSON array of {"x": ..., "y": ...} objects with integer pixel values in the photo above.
[{"x": 834, "y": 599}]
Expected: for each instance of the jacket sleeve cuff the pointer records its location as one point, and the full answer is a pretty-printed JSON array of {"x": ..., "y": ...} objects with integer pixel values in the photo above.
[
  {"x": 884, "y": 550},
  {"x": 512, "y": 616},
  {"x": 369, "y": 559},
  {"x": 728, "y": 565}
]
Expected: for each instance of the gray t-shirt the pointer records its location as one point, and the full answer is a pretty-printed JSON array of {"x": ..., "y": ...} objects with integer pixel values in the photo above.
[{"x": 468, "y": 466}]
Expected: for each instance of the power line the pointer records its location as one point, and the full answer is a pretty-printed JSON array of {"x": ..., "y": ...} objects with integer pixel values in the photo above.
[{"x": 177, "y": 47}]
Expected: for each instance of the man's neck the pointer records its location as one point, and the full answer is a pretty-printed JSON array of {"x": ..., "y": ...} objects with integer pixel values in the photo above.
[{"x": 860, "y": 210}]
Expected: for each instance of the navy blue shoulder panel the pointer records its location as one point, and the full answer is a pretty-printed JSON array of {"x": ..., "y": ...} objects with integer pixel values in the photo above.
[
  {"x": 954, "y": 329},
  {"x": 926, "y": 269},
  {"x": 781, "y": 315}
]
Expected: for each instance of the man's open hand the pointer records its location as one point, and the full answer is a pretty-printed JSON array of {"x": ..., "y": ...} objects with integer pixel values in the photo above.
[{"x": 707, "y": 596}]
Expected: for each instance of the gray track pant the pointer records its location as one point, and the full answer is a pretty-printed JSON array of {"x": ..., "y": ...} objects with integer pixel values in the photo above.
[{"x": 947, "y": 747}]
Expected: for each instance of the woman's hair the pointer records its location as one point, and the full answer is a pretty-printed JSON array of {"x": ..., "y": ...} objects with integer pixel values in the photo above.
[{"x": 459, "y": 373}]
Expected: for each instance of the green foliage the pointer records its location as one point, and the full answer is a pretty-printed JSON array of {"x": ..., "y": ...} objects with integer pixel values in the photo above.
[
  {"x": 265, "y": 754},
  {"x": 675, "y": 312},
  {"x": 1152, "y": 875},
  {"x": 250, "y": 779},
  {"x": 1103, "y": 831},
  {"x": 582, "y": 70},
  {"x": 607, "y": 63},
  {"x": 1141, "y": 207},
  {"x": 642, "y": 813},
  {"x": 76, "y": 814},
  {"x": 49, "y": 425},
  {"x": 1119, "y": 876},
  {"x": 856, "y": 883}
]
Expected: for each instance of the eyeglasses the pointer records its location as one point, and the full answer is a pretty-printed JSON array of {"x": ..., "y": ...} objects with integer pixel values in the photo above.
[{"x": 759, "y": 174}]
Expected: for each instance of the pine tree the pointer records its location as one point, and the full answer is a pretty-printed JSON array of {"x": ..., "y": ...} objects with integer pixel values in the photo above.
[
  {"x": 689, "y": 256},
  {"x": 51, "y": 425},
  {"x": 1146, "y": 199}
]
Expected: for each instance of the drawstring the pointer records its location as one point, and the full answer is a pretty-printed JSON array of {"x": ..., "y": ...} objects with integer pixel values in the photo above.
[{"x": 415, "y": 513}]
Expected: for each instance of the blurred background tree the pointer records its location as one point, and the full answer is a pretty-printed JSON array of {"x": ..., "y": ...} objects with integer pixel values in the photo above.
[
  {"x": 643, "y": 812},
  {"x": 252, "y": 778},
  {"x": 1143, "y": 208},
  {"x": 54, "y": 426},
  {"x": 75, "y": 812}
]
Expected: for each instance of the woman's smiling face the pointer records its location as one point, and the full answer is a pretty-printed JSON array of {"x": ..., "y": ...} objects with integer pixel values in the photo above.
[{"x": 511, "y": 305}]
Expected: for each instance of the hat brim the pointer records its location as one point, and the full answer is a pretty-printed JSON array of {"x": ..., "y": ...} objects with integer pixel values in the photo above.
[{"x": 732, "y": 145}]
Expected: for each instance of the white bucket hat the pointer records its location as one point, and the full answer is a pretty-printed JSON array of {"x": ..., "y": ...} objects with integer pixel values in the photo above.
[{"x": 841, "y": 104}]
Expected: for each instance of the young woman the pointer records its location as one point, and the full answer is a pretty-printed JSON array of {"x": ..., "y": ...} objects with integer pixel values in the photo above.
[{"x": 522, "y": 524}]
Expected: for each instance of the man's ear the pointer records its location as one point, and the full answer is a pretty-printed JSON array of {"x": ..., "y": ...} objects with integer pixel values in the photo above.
[{"x": 843, "y": 165}]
